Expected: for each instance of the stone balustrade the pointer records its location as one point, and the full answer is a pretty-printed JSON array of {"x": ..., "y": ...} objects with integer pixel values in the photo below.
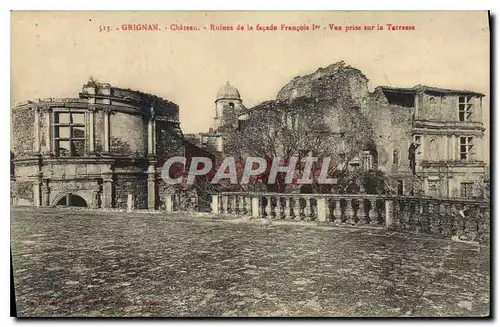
[
  {"x": 464, "y": 219},
  {"x": 354, "y": 210}
]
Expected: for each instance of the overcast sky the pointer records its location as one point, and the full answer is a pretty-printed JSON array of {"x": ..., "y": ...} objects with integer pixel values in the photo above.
[{"x": 53, "y": 54}]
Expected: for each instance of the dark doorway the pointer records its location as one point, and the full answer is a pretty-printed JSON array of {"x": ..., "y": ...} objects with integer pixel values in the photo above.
[{"x": 72, "y": 200}]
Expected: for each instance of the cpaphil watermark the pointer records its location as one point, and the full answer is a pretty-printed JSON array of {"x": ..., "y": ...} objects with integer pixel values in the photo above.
[{"x": 180, "y": 170}]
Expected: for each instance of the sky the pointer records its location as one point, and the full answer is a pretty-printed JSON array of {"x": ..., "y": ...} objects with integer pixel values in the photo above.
[{"x": 54, "y": 53}]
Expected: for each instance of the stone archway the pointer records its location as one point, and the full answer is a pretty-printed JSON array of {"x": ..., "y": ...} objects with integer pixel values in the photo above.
[{"x": 71, "y": 200}]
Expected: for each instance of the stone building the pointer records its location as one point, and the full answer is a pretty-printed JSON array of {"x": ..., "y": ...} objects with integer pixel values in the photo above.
[
  {"x": 93, "y": 150},
  {"x": 427, "y": 140},
  {"x": 448, "y": 131},
  {"x": 229, "y": 109}
]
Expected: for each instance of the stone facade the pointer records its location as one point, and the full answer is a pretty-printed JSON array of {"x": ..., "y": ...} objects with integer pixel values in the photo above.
[
  {"x": 93, "y": 150},
  {"x": 444, "y": 125}
]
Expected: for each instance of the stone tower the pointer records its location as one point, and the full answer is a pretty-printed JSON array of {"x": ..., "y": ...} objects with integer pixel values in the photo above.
[{"x": 228, "y": 100}]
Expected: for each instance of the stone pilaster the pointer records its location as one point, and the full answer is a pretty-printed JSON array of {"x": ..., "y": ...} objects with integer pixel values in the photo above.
[
  {"x": 151, "y": 137},
  {"x": 107, "y": 113},
  {"x": 107, "y": 188},
  {"x": 36, "y": 129},
  {"x": 46, "y": 194},
  {"x": 151, "y": 187},
  {"x": 37, "y": 193},
  {"x": 90, "y": 129},
  {"x": 48, "y": 132}
]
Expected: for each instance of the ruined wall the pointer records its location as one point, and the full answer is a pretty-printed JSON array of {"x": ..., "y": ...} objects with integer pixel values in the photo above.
[
  {"x": 131, "y": 183},
  {"x": 445, "y": 107},
  {"x": 23, "y": 122},
  {"x": 336, "y": 82},
  {"x": 168, "y": 139},
  {"x": 128, "y": 135}
]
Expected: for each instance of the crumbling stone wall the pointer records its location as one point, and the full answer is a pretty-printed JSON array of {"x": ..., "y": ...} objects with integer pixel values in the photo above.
[
  {"x": 23, "y": 122},
  {"x": 134, "y": 184},
  {"x": 168, "y": 139},
  {"x": 23, "y": 190},
  {"x": 336, "y": 82},
  {"x": 128, "y": 135}
]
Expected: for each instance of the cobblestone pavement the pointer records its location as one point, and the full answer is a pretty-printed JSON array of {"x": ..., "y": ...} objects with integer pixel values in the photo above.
[{"x": 138, "y": 264}]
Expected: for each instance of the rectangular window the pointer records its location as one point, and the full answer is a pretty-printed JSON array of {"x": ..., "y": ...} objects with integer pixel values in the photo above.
[
  {"x": 466, "y": 146},
  {"x": 69, "y": 133},
  {"x": 401, "y": 187},
  {"x": 466, "y": 189},
  {"x": 465, "y": 108}
]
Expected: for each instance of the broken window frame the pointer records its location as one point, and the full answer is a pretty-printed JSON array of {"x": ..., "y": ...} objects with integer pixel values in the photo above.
[
  {"x": 71, "y": 126},
  {"x": 465, "y": 108},
  {"x": 466, "y": 146}
]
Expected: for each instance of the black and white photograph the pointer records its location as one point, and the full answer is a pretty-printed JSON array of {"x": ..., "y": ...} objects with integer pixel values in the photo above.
[{"x": 252, "y": 164}]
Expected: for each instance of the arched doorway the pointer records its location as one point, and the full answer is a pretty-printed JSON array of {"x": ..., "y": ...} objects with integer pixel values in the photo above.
[{"x": 72, "y": 200}]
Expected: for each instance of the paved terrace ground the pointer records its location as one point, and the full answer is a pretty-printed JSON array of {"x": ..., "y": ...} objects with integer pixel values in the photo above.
[{"x": 136, "y": 264}]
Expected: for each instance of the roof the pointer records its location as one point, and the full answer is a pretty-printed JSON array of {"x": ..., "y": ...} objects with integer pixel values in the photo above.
[
  {"x": 426, "y": 88},
  {"x": 228, "y": 92}
]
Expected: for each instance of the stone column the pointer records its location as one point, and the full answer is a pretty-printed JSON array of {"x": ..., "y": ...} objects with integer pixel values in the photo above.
[
  {"x": 479, "y": 145},
  {"x": 154, "y": 137},
  {"x": 90, "y": 129},
  {"x": 130, "y": 202},
  {"x": 37, "y": 193},
  {"x": 416, "y": 106},
  {"x": 107, "y": 189},
  {"x": 255, "y": 207},
  {"x": 389, "y": 210},
  {"x": 106, "y": 130},
  {"x": 48, "y": 131},
  {"x": 215, "y": 203},
  {"x": 46, "y": 194},
  {"x": 453, "y": 140},
  {"x": 150, "y": 137},
  {"x": 445, "y": 148},
  {"x": 151, "y": 187},
  {"x": 169, "y": 203},
  {"x": 478, "y": 110},
  {"x": 37, "y": 131},
  {"x": 95, "y": 200},
  {"x": 321, "y": 203}
]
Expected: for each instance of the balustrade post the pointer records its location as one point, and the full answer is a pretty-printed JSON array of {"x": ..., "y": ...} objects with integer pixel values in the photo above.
[
  {"x": 225, "y": 200},
  {"x": 337, "y": 212},
  {"x": 269, "y": 207},
  {"x": 234, "y": 204},
  {"x": 322, "y": 210},
  {"x": 169, "y": 203},
  {"x": 215, "y": 203},
  {"x": 255, "y": 207},
  {"x": 307, "y": 209},
  {"x": 287, "y": 208},
  {"x": 372, "y": 214},
  {"x": 362, "y": 212},
  {"x": 277, "y": 208},
  {"x": 248, "y": 205},
  {"x": 389, "y": 211},
  {"x": 349, "y": 211},
  {"x": 241, "y": 204},
  {"x": 296, "y": 208}
]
